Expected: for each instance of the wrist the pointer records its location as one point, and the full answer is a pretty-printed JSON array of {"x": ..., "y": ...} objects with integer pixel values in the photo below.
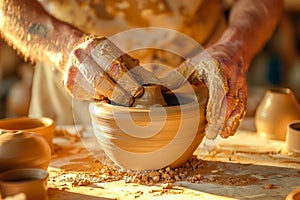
[
  {"x": 69, "y": 38},
  {"x": 235, "y": 45}
]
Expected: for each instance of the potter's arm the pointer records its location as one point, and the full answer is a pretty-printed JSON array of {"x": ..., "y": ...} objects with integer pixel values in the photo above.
[
  {"x": 35, "y": 34},
  {"x": 251, "y": 24},
  {"x": 38, "y": 36},
  {"x": 223, "y": 65}
]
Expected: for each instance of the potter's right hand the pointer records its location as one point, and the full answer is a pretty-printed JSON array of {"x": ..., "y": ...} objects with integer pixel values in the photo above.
[{"x": 98, "y": 69}]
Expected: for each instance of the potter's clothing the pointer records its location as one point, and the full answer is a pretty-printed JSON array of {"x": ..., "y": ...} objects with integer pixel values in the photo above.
[{"x": 201, "y": 20}]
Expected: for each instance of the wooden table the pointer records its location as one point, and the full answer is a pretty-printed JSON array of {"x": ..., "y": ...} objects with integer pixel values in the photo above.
[{"x": 244, "y": 155}]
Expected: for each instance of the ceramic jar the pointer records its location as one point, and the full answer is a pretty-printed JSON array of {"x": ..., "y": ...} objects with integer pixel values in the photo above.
[
  {"x": 278, "y": 108},
  {"x": 23, "y": 150}
]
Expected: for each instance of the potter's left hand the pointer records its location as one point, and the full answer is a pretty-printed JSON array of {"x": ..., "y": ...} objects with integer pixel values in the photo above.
[{"x": 222, "y": 69}]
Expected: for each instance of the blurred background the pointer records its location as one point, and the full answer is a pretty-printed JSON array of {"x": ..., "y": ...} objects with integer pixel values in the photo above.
[{"x": 277, "y": 65}]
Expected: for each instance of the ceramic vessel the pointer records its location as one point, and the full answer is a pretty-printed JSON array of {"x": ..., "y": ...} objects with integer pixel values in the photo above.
[
  {"x": 152, "y": 96},
  {"x": 278, "y": 108},
  {"x": 292, "y": 143},
  {"x": 293, "y": 195},
  {"x": 150, "y": 138},
  {"x": 30, "y": 181},
  {"x": 23, "y": 150},
  {"x": 42, "y": 126}
]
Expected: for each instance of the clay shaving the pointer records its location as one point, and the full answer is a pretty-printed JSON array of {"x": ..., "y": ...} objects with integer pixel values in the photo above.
[{"x": 193, "y": 171}]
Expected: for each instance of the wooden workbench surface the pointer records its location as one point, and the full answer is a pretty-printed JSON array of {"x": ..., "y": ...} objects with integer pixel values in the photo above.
[{"x": 242, "y": 167}]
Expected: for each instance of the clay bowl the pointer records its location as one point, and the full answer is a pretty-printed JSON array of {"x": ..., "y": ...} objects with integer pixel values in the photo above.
[
  {"x": 150, "y": 138},
  {"x": 42, "y": 126},
  {"x": 294, "y": 195},
  {"x": 23, "y": 150},
  {"x": 32, "y": 182}
]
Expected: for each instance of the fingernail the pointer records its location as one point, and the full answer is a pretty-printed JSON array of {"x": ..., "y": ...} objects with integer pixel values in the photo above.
[
  {"x": 226, "y": 132},
  {"x": 139, "y": 91}
]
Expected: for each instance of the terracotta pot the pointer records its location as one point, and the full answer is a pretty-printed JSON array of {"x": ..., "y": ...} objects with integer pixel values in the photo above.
[
  {"x": 149, "y": 138},
  {"x": 292, "y": 144},
  {"x": 152, "y": 96},
  {"x": 23, "y": 150},
  {"x": 294, "y": 195},
  {"x": 278, "y": 108},
  {"x": 42, "y": 126},
  {"x": 30, "y": 181}
]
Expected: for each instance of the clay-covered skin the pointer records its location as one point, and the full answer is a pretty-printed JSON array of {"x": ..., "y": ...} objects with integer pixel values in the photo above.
[
  {"x": 38, "y": 37},
  {"x": 97, "y": 69},
  {"x": 23, "y": 150},
  {"x": 223, "y": 66}
]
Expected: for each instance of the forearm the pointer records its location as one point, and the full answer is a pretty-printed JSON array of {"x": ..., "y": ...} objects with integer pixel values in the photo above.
[
  {"x": 251, "y": 24},
  {"x": 36, "y": 35}
]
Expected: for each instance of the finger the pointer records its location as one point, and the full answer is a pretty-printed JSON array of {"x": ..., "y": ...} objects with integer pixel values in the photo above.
[
  {"x": 177, "y": 77},
  {"x": 143, "y": 76},
  {"x": 78, "y": 86},
  {"x": 139, "y": 73},
  {"x": 237, "y": 113},
  {"x": 217, "y": 87},
  {"x": 98, "y": 79},
  {"x": 108, "y": 57}
]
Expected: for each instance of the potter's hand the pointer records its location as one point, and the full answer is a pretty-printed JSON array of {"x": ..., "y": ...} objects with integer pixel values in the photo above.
[
  {"x": 97, "y": 69},
  {"x": 220, "y": 68}
]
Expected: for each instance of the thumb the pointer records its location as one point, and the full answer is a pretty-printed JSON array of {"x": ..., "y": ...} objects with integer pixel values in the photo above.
[{"x": 177, "y": 77}]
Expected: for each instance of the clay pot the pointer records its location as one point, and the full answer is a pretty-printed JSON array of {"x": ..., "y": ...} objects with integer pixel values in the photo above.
[
  {"x": 42, "y": 126},
  {"x": 23, "y": 150},
  {"x": 292, "y": 144},
  {"x": 152, "y": 96},
  {"x": 149, "y": 138},
  {"x": 278, "y": 108},
  {"x": 30, "y": 181},
  {"x": 294, "y": 195}
]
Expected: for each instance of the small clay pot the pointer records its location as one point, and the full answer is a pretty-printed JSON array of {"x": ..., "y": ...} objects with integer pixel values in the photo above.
[
  {"x": 42, "y": 126},
  {"x": 293, "y": 195},
  {"x": 150, "y": 138},
  {"x": 23, "y": 150},
  {"x": 152, "y": 96},
  {"x": 292, "y": 143},
  {"x": 278, "y": 108},
  {"x": 30, "y": 181}
]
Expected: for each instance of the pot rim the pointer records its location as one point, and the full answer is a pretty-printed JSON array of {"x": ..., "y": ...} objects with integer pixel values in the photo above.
[
  {"x": 39, "y": 175},
  {"x": 46, "y": 123},
  {"x": 105, "y": 105}
]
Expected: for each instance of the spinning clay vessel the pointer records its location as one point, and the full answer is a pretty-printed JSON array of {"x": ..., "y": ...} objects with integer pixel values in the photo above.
[{"x": 149, "y": 137}]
